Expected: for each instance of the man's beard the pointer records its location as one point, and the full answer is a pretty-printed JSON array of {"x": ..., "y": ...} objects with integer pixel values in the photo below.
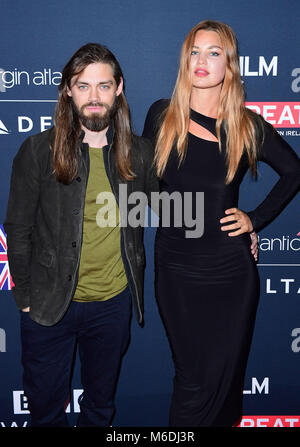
[{"x": 96, "y": 121}]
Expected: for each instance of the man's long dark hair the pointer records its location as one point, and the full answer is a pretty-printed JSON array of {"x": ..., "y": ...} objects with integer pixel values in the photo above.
[{"x": 67, "y": 124}]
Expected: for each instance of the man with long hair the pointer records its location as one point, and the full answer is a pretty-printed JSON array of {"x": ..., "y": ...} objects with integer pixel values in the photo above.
[{"x": 74, "y": 279}]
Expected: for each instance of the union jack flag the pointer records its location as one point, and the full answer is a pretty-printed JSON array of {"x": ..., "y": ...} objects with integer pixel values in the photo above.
[{"x": 6, "y": 282}]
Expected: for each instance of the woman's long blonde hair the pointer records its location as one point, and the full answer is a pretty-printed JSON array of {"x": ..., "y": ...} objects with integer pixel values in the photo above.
[{"x": 240, "y": 124}]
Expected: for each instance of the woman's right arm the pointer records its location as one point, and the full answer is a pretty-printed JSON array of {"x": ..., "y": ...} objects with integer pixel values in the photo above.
[{"x": 153, "y": 121}]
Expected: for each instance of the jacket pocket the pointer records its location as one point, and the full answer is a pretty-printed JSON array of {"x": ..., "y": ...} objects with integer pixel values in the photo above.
[{"x": 45, "y": 258}]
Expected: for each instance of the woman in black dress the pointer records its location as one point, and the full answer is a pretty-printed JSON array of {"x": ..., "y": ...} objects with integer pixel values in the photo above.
[{"x": 207, "y": 288}]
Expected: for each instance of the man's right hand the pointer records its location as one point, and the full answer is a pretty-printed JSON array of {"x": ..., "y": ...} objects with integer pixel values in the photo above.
[{"x": 26, "y": 309}]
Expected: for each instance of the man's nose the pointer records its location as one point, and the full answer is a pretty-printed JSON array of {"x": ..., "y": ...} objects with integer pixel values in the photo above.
[{"x": 94, "y": 94}]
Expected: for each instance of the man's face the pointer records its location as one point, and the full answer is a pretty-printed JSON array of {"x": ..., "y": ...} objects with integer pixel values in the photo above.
[{"x": 94, "y": 93}]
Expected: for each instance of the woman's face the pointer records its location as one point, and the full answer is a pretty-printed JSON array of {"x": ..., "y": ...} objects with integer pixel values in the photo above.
[{"x": 208, "y": 61}]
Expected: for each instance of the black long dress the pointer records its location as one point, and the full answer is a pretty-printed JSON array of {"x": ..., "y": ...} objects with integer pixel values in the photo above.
[{"x": 207, "y": 288}]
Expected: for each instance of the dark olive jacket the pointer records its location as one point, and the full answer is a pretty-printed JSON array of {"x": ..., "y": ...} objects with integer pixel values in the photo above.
[{"x": 44, "y": 224}]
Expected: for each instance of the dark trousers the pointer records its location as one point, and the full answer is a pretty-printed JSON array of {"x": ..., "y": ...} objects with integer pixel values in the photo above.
[{"x": 101, "y": 331}]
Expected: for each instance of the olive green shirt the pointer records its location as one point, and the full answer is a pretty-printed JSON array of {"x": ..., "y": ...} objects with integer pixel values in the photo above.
[{"x": 101, "y": 270}]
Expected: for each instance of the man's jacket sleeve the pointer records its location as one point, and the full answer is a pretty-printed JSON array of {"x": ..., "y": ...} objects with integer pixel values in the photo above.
[{"x": 20, "y": 219}]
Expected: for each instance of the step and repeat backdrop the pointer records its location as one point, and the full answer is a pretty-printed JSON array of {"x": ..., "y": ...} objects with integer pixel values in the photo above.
[{"x": 37, "y": 39}]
